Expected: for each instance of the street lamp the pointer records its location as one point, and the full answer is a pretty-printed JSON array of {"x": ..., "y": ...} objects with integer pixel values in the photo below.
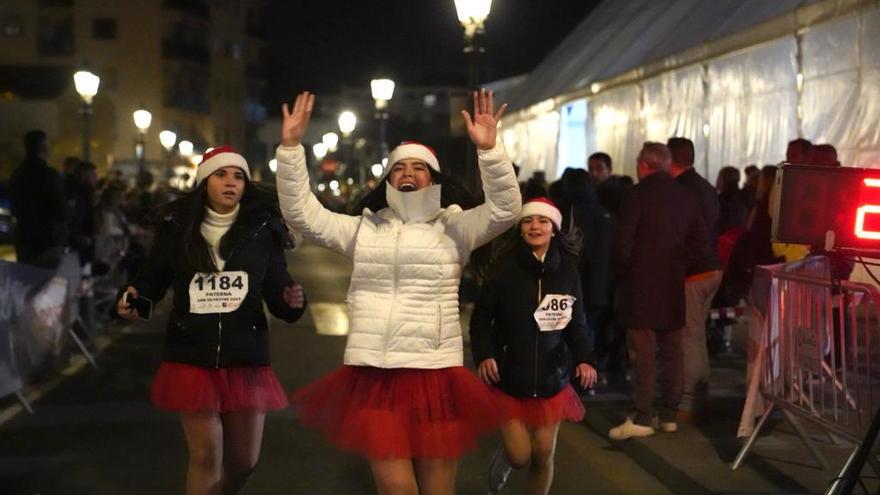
[
  {"x": 347, "y": 122},
  {"x": 320, "y": 150},
  {"x": 472, "y": 15},
  {"x": 142, "y": 119},
  {"x": 87, "y": 86},
  {"x": 382, "y": 90},
  {"x": 168, "y": 139},
  {"x": 273, "y": 165},
  {"x": 330, "y": 140},
  {"x": 185, "y": 147}
]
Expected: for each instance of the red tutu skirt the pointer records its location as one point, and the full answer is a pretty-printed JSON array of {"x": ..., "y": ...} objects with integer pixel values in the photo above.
[
  {"x": 402, "y": 412},
  {"x": 543, "y": 411},
  {"x": 186, "y": 388}
]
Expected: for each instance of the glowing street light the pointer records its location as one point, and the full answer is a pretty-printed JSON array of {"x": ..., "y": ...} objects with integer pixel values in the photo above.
[
  {"x": 377, "y": 170},
  {"x": 347, "y": 122},
  {"x": 320, "y": 150},
  {"x": 382, "y": 91},
  {"x": 273, "y": 165},
  {"x": 87, "y": 86},
  {"x": 330, "y": 140},
  {"x": 168, "y": 139},
  {"x": 185, "y": 147}
]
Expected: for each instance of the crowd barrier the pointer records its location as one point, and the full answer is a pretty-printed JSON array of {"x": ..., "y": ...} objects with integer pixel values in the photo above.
[{"x": 818, "y": 354}]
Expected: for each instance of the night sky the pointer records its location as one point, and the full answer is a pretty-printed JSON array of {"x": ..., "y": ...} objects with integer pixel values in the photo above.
[{"x": 325, "y": 45}]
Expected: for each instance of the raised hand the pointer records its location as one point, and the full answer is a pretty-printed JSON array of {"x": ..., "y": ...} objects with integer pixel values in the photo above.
[
  {"x": 296, "y": 121},
  {"x": 483, "y": 127}
]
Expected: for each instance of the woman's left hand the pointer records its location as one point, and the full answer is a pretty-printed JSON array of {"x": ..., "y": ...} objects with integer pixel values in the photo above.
[
  {"x": 483, "y": 128},
  {"x": 587, "y": 374},
  {"x": 294, "y": 297}
]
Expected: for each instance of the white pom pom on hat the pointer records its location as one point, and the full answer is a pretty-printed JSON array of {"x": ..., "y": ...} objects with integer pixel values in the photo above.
[
  {"x": 219, "y": 157},
  {"x": 544, "y": 207},
  {"x": 413, "y": 150}
]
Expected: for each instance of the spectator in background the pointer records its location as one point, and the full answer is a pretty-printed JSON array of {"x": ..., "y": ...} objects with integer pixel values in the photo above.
[
  {"x": 703, "y": 277},
  {"x": 38, "y": 203},
  {"x": 659, "y": 232},
  {"x": 825, "y": 155},
  {"x": 608, "y": 187},
  {"x": 81, "y": 206},
  {"x": 585, "y": 219},
  {"x": 750, "y": 189},
  {"x": 799, "y": 151},
  {"x": 732, "y": 201}
]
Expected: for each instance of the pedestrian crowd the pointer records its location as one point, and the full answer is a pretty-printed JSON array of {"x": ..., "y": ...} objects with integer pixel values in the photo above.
[{"x": 592, "y": 280}]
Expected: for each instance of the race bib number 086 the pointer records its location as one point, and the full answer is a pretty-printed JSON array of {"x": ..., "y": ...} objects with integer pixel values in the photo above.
[
  {"x": 554, "y": 312},
  {"x": 220, "y": 292}
]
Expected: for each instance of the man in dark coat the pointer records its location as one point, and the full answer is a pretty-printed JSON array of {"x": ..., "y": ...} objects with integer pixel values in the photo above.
[
  {"x": 658, "y": 230},
  {"x": 37, "y": 201},
  {"x": 703, "y": 277}
]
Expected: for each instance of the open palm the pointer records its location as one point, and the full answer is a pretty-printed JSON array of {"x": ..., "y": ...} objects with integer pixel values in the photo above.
[
  {"x": 483, "y": 127},
  {"x": 295, "y": 122}
]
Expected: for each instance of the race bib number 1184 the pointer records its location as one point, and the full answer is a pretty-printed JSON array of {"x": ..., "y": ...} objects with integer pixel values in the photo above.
[{"x": 220, "y": 292}]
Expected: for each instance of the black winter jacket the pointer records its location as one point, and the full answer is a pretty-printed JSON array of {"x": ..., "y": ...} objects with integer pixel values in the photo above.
[
  {"x": 254, "y": 244},
  {"x": 531, "y": 363}
]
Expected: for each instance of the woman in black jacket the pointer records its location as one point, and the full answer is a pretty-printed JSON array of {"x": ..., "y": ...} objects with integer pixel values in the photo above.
[
  {"x": 527, "y": 323},
  {"x": 221, "y": 248}
]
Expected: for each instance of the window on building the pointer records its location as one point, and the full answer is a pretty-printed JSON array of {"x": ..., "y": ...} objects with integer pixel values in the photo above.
[
  {"x": 104, "y": 28},
  {"x": 55, "y": 36},
  {"x": 11, "y": 26}
]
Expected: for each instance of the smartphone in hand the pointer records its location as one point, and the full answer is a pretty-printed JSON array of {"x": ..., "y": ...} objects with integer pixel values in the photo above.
[{"x": 143, "y": 305}]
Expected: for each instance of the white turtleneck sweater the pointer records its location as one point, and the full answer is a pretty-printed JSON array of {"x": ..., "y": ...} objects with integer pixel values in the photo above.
[{"x": 213, "y": 228}]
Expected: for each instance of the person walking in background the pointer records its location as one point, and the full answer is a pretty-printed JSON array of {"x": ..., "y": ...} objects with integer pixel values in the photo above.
[
  {"x": 703, "y": 277},
  {"x": 37, "y": 201},
  {"x": 221, "y": 248},
  {"x": 526, "y": 323},
  {"x": 659, "y": 233},
  {"x": 403, "y": 398},
  {"x": 609, "y": 189}
]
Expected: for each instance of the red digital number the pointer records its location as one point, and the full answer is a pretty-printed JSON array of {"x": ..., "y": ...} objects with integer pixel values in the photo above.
[{"x": 868, "y": 205}]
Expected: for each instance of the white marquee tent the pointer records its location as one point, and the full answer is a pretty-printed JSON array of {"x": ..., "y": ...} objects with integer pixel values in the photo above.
[{"x": 738, "y": 77}]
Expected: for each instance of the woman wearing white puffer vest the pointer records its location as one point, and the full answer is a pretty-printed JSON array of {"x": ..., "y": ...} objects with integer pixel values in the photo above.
[{"x": 403, "y": 398}]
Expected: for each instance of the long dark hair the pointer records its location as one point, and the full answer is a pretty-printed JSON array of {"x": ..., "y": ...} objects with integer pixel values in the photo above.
[
  {"x": 188, "y": 212},
  {"x": 568, "y": 243}
]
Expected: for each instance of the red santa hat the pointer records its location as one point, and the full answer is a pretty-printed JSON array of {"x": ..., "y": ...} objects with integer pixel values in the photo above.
[
  {"x": 219, "y": 157},
  {"x": 413, "y": 150},
  {"x": 544, "y": 207}
]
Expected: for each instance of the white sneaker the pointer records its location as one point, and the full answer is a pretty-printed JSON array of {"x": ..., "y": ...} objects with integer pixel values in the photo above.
[
  {"x": 499, "y": 470},
  {"x": 629, "y": 430},
  {"x": 665, "y": 426}
]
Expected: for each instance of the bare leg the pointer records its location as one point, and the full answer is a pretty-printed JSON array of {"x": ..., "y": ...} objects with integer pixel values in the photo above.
[
  {"x": 242, "y": 439},
  {"x": 436, "y": 476},
  {"x": 541, "y": 469},
  {"x": 394, "y": 476},
  {"x": 517, "y": 444},
  {"x": 204, "y": 439}
]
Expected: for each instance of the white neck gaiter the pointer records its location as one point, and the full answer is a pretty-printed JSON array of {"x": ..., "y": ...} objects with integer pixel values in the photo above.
[
  {"x": 213, "y": 227},
  {"x": 415, "y": 206}
]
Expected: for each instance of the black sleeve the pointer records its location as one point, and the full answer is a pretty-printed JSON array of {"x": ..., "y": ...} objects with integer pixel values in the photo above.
[
  {"x": 276, "y": 280},
  {"x": 625, "y": 236},
  {"x": 697, "y": 236},
  {"x": 156, "y": 275},
  {"x": 578, "y": 336},
  {"x": 483, "y": 322}
]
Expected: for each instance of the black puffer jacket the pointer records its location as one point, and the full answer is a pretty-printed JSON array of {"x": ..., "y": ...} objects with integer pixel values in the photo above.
[
  {"x": 531, "y": 363},
  {"x": 254, "y": 244}
]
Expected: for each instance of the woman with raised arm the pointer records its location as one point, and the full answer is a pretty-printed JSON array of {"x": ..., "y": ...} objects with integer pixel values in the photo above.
[{"x": 403, "y": 398}]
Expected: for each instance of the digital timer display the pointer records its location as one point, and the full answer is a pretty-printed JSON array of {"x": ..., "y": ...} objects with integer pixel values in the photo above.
[{"x": 814, "y": 200}]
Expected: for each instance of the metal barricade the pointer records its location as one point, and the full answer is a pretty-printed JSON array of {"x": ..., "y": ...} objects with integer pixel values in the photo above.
[{"x": 820, "y": 355}]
